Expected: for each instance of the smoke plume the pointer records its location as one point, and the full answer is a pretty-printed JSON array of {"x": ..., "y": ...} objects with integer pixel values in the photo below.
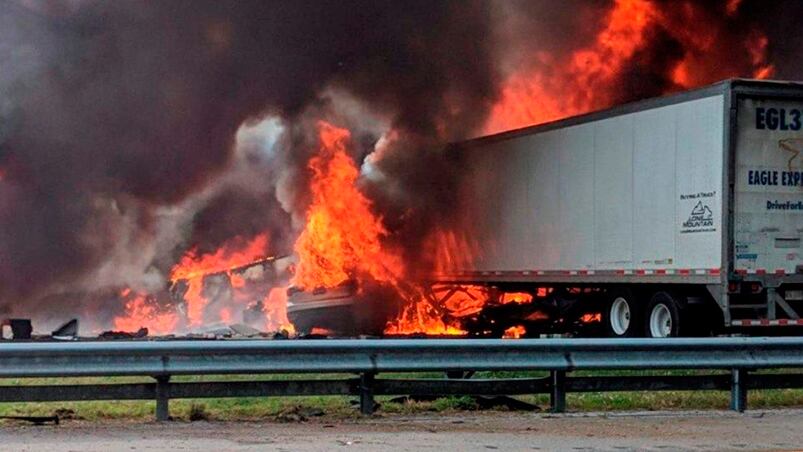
[{"x": 131, "y": 131}]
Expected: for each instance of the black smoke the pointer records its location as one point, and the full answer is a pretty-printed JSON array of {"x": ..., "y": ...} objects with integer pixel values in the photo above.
[
  {"x": 118, "y": 119},
  {"x": 113, "y": 110}
]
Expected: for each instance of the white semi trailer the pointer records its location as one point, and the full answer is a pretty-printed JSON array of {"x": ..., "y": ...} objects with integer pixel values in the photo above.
[{"x": 673, "y": 212}]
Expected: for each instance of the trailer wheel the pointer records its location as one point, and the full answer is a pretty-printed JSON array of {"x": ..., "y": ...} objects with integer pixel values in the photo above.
[
  {"x": 663, "y": 317},
  {"x": 621, "y": 315}
]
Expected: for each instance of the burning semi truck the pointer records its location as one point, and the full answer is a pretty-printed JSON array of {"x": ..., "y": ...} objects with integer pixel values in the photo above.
[{"x": 673, "y": 216}]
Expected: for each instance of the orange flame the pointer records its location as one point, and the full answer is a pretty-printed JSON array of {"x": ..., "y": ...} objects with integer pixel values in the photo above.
[
  {"x": 442, "y": 311},
  {"x": 321, "y": 331},
  {"x": 275, "y": 308},
  {"x": 516, "y": 297},
  {"x": 142, "y": 311},
  {"x": 591, "y": 318},
  {"x": 537, "y": 315},
  {"x": 421, "y": 317},
  {"x": 342, "y": 238},
  {"x": 193, "y": 267},
  {"x": 757, "y": 46},
  {"x": 453, "y": 251},
  {"x": 530, "y": 98},
  {"x": 587, "y": 78},
  {"x": 514, "y": 332}
]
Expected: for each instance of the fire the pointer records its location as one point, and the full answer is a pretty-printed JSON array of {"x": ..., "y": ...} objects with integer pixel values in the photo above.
[
  {"x": 193, "y": 267},
  {"x": 516, "y": 297},
  {"x": 591, "y": 318},
  {"x": 757, "y": 46},
  {"x": 589, "y": 78},
  {"x": 530, "y": 98},
  {"x": 514, "y": 332},
  {"x": 342, "y": 238},
  {"x": 537, "y": 315},
  {"x": 422, "y": 317},
  {"x": 452, "y": 251},
  {"x": 275, "y": 308},
  {"x": 320, "y": 331},
  {"x": 142, "y": 311},
  {"x": 441, "y": 311}
]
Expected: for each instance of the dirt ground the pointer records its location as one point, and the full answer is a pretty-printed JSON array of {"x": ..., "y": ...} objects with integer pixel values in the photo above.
[{"x": 660, "y": 431}]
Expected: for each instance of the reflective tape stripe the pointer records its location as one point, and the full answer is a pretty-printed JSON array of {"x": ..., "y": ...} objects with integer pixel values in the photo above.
[{"x": 766, "y": 322}]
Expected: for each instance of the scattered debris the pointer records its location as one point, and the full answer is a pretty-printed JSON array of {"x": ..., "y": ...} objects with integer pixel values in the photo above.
[
  {"x": 35, "y": 420},
  {"x": 356, "y": 403},
  {"x": 298, "y": 414},
  {"x": 112, "y": 335},
  {"x": 66, "y": 414},
  {"x": 17, "y": 328},
  {"x": 241, "y": 329},
  {"x": 489, "y": 402},
  {"x": 66, "y": 332},
  {"x": 198, "y": 412},
  {"x": 313, "y": 336},
  {"x": 411, "y": 398},
  {"x": 254, "y": 313},
  {"x": 479, "y": 402},
  {"x": 283, "y": 334},
  {"x": 215, "y": 330}
]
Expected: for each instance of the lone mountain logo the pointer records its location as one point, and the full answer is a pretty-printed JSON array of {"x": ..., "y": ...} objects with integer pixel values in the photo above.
[{"x": 701, "y": 219}]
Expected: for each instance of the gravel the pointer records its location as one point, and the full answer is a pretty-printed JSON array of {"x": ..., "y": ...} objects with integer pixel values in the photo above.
[{"x": 659, "y": 431}]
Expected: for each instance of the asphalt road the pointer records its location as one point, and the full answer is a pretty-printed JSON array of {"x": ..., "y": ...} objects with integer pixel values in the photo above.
[{"x": 756, "y": 430}]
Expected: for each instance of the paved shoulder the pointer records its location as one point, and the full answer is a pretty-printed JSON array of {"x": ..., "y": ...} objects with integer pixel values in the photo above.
[{"x": 776, "y": 430}]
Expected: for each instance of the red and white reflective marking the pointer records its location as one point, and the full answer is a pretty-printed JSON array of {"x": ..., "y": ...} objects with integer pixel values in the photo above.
[
  {"x": 760, "y": 271},
  {"x": 588, "y": 272},
  {"x": 767, "y": 322}
]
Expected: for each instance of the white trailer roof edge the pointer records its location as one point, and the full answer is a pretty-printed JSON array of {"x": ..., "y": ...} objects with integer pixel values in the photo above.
[{"x": 741, "y": 86}]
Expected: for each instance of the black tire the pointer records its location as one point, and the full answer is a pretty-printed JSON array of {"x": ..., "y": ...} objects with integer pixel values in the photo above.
[
  {"x": 613, "y": 305},
  {"x": 664, "y": 312}
]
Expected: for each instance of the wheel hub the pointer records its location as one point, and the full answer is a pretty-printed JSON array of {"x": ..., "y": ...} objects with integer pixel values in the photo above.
[
  {"x": 660, "y": 321},
  {"x": 620, "y": 316}
]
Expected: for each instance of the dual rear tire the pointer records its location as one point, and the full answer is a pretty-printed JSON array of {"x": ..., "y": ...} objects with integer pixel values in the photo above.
[
  {"x": 664, "y": 317},
  {"x": 625, "y": 316}
]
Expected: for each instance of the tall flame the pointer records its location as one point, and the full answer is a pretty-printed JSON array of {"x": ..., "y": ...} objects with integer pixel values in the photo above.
[
  {"x": 275, "y": 309},
  {"x": 587, "y": 78},
  {"x": 530, "y": 97},
  {"x": 342, "y": 237}
]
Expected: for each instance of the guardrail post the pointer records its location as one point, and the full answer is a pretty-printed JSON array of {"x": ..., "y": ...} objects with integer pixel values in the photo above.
[
  {"x": 738, "y": 390},
  {"x": 557, "y": 396},
  {"x": 367, "y": 393},
  {"x": 162, "y": 398}
]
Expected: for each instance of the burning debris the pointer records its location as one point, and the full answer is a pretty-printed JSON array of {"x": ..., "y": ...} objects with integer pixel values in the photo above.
[
  {"x": 66, "y": 332},
  {"x": 188, "y": 161},
  {"x": 112, "y": 335},
  {"x": 17, "y": 329}
]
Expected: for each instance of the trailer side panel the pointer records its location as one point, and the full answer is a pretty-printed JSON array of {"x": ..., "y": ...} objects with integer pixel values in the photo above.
[{"x": 624, "y": 194}]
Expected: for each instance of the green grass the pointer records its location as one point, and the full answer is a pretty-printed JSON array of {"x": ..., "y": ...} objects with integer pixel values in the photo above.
[{"x": 336, "y": 407}]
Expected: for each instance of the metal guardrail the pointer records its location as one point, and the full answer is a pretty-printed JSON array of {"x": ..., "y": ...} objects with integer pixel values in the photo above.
[{"x": 368, "y": 358}]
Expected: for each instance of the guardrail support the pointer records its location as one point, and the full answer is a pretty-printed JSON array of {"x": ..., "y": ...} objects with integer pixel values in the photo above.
[
  {"x": 739, "y": 390},
  {"x": 367, "y": 393},
  {"x": 162, "y": 398},
  {"x": 557, "y": 396}
]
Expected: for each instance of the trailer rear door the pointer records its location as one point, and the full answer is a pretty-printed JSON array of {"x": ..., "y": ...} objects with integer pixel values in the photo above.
[{"x": 768, "y": 205}]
